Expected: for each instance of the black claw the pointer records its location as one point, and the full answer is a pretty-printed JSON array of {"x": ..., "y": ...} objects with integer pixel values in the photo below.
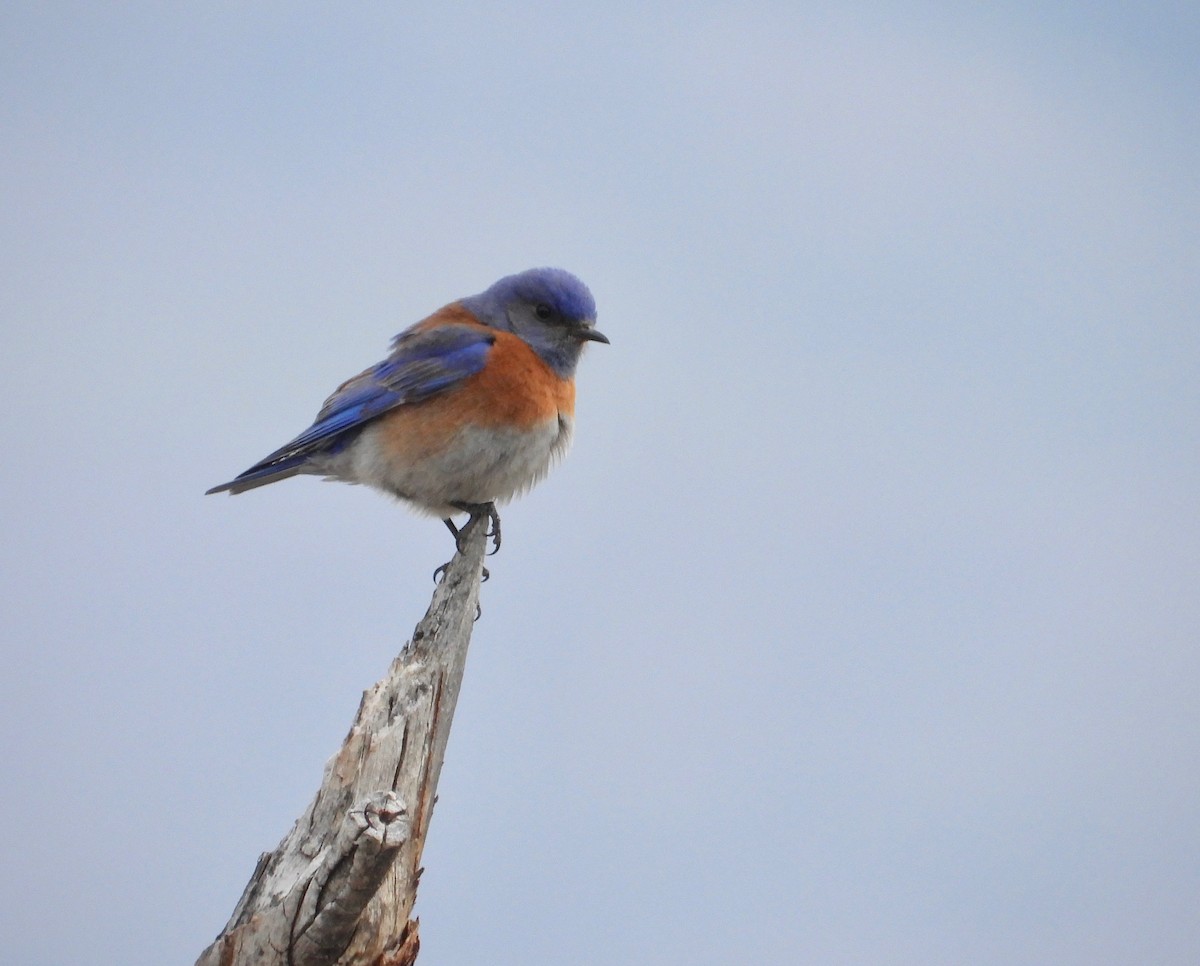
[
  {"x": 494, "y": 532},
  {"x": 438, "y": 574},
  {"x": 477, "y": 510}
]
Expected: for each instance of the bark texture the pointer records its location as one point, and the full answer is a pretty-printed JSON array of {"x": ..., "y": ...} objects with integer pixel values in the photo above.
[{"x": 340, "y": 887}]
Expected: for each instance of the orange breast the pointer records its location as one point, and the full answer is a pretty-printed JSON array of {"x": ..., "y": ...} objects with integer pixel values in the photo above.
[{"x": 515, "y": 390}]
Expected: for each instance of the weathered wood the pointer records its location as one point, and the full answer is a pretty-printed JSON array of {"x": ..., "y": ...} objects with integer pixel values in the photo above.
[{"x": 340, "y": 887}]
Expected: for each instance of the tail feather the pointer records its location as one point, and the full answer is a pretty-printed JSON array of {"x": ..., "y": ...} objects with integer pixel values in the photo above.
[{"x": 258, "y": 476}]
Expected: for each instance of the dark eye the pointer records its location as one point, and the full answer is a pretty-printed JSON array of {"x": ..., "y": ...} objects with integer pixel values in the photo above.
[{"x": 543, "y": 311}]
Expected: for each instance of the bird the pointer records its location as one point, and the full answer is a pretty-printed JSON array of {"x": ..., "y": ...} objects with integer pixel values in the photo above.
[{"x": 471, "y": 407}]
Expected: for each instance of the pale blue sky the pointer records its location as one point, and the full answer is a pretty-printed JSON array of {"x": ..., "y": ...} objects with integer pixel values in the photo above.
[{"x": 861, "y": 625}]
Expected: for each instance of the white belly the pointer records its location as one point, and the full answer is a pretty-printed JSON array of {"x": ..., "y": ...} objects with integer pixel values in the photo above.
[{"x": 480, "y": 465}]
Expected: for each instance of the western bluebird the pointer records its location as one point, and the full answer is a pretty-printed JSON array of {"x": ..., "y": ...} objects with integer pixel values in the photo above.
[{"x": 472, "y": 406}]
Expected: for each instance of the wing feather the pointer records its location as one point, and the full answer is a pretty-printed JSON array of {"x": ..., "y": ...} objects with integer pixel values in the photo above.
[{"x": 423, "y": 362}]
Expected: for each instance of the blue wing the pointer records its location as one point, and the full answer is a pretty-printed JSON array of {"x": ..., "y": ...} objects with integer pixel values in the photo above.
[{"x": 422, "y": 363}]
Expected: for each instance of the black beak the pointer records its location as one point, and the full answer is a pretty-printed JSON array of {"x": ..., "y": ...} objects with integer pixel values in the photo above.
[{"x": 587, "y": 334}]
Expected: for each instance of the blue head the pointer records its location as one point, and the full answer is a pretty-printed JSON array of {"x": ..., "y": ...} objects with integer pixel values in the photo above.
[{"x": 547, "y": 307}]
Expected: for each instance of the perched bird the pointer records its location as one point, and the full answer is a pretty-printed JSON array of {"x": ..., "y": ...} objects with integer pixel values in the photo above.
[{"x": 471, "y": 407}]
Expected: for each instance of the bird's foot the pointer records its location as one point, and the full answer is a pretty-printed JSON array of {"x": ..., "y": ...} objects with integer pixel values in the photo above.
[
  {"x": 438, "y": 574},
  {"x": 475, "y": 510},
  {"x": 478, "y": 510}
]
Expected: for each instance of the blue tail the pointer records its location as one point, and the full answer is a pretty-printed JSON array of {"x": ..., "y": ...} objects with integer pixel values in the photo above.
[{"x": 261, "y": 475}]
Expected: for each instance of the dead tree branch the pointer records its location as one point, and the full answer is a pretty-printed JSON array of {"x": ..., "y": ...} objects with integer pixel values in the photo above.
[{"x": 340, "y": 887}]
